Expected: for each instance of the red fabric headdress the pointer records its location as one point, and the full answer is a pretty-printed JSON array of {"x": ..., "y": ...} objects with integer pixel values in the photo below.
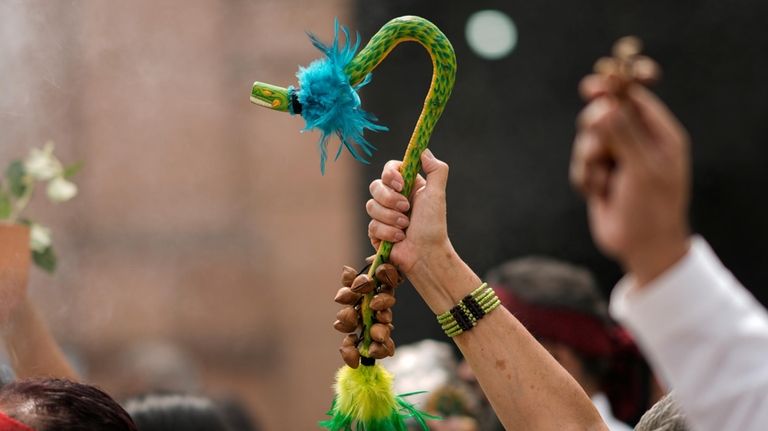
[
  {"x": 591, "y": 336},
  {"x": 9, "y": 424}
]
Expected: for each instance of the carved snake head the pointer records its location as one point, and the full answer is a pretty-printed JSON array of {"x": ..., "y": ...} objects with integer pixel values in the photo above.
[{"x": 270, "y": 96}]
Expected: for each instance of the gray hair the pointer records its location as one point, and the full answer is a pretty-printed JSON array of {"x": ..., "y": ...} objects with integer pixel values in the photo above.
[
  {"x": 665, "y": 415},
  {"x": 548, "y": 282}
]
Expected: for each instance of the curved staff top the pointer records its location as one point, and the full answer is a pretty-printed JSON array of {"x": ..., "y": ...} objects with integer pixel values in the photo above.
[{"x": 327, "y": 100}]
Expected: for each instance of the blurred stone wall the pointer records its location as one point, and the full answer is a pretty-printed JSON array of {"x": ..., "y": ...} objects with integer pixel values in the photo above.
[{"x": 203, "y": 224}]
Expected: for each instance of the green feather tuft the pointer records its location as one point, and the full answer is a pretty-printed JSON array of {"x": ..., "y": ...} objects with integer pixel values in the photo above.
[{"x": 364, "y": 402}]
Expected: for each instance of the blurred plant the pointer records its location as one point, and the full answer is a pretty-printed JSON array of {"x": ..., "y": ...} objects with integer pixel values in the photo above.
[{"x": 17, "y": 188}]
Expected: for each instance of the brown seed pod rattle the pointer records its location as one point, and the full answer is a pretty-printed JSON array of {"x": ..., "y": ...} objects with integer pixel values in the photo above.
[{"x": 356, "y": 284}]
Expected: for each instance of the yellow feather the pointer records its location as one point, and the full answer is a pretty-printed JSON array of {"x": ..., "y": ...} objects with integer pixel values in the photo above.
[{"x": 365, "y": 393}]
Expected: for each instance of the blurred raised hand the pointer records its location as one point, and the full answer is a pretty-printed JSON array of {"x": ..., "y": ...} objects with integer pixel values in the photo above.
[{"x": 631, "y": 162}]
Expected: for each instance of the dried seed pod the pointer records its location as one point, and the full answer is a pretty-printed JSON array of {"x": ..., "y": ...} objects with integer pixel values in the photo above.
[
  {"x": 344, "y": 327},
  {"x": 389, "y": 344},
  {"x": 382, "y": 301},
  {"x": 348, "y": 314},
  {"x": 346, "y": 296},
  {"x": 350, "y": 355},
  {"x": 379, "y": 332},
  {"x": 377, "y": 351},
  {"x": 384, "y": 316},
  {"x": 347, "y": 320},
  {"x": 387, "y": 273},
  {"x": 386, "y": 289},
  {"x": 348, "y": 274},
  {"x": 350, "y": 341},
  {"x": 363, "y": 284}
]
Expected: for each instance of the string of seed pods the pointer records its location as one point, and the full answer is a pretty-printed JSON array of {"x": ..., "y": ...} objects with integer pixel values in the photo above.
[{"x": 356, "y": 284}]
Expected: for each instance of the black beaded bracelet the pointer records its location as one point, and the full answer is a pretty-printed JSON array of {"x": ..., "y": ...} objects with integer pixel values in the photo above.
[{"x": 465, "y": 314}]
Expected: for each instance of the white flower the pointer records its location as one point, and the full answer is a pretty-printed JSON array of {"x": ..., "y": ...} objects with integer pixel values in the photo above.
[
  {"x": 41, "y": 164},
  {"x": 61, "y": 190},
  {"x": 39, "y": 237}
]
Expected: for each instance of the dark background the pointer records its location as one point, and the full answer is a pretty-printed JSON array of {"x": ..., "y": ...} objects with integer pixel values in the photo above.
[{"x": 508, "y": 128}]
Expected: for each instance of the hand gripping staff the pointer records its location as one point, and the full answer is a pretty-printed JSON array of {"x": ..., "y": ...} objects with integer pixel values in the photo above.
[{"x": 327, "y": 100}]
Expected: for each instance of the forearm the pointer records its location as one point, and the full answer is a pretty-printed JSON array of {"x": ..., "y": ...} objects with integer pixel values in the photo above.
[
  {"x": 654, "y": 256},
  {"x": 32, "y": 349},
  {"x": 706, "y": 335},
  {"x": 526, "y": 386}
]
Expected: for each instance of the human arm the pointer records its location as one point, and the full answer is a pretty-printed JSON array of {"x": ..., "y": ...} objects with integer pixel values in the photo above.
[
  {"x": 630, "y": 161},
  {"x": 31, "y": 347},
  {"x": 698, "y": 326},
  {"x": 526, "y": 386},
  {"x": 706, "y": 336},
  {"x": 32, "y": 350}
]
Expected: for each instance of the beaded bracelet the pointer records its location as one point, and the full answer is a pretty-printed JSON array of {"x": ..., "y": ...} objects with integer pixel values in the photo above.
[{"x": 465, "y": 314}]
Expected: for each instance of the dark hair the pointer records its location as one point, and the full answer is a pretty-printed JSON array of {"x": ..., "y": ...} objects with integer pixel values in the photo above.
[
  {"x": 62, "y": 405},
  {"x": 161, "y": 412},
  {"x": 236, "y": 415}
]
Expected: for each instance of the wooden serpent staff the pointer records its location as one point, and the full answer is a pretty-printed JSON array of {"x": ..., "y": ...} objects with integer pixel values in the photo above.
[{"x": 327, "y": 100}]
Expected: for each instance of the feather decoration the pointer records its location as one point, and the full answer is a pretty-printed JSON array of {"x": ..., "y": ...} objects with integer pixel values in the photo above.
[
  {"x": 364, "y": 402},
  {"x": 330, "y": 104}
]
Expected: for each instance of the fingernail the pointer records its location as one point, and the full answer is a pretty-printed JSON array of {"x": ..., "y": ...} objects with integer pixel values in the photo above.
[
  {"x": 403, "y": 206},
  {"x": 399, "y": 236},
  {"x": 397, "y": 185},
  {"x": 428, "y": 154},
  {"x": 402, "y": 221}
]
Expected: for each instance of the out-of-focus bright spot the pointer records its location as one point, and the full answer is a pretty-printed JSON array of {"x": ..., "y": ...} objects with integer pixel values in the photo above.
[{"x": 491, "y": 34}]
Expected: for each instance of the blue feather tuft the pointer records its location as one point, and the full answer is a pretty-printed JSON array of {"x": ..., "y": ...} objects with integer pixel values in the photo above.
[{"x": 330, "y": 104}]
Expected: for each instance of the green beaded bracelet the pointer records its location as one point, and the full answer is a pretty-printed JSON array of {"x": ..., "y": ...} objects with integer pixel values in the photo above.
[{"x": 465, "y": 315}]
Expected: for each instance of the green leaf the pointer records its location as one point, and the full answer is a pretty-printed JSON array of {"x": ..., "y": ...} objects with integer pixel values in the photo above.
[
  {"x": 71, "y": 170},
  {"x": 45, "y": 259},
  {"x": 5, "y": 205},
  {"x": 15, "y": 174}
]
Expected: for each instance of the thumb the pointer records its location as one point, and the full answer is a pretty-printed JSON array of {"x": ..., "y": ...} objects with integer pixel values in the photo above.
[{"x": 436, "y": 171}]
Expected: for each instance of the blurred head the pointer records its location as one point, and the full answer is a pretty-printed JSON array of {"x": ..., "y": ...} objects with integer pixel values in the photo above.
[
  {"x": 158, "y": 366},
  {"x": 665, "y": 415},
  {"x": 562, "y": 306},
  {"x": 161, "y": 412},
  {"x": 61, "y": 405},
  {"x": 427, "y": 369},
  {"x": 236, "y": 415}
]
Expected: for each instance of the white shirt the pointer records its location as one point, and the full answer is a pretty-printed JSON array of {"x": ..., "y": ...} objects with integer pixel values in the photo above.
[
  {"x": 603, "y": 407},
  {"x": 706, "y": 336}
]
